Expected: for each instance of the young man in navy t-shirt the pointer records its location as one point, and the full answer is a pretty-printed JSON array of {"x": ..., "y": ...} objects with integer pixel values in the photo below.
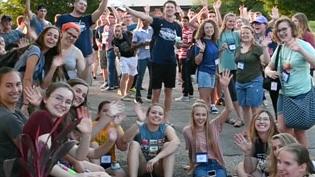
[{"x": 165, "y": 32}]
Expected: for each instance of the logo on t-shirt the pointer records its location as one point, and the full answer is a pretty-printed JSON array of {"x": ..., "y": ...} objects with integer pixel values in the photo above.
[
  {"x": 168, "y": 34},
  {"x": 82, "y": 25}
]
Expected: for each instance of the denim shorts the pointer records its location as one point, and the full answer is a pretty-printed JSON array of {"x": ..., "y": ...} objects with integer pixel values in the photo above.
[
  {"x": 250, "y": 94},
  {"x": 205, "y": 80},
  {"x": 202, "y": 169}
]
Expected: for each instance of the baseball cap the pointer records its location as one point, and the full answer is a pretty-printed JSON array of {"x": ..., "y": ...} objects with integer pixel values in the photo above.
[{"x": 261, "y": 19}]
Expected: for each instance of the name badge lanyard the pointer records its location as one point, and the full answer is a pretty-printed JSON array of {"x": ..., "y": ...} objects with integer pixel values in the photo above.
[
  {"x": 231, "y": 34},
  {"x": 286, "y": 66},
  {"x": 198, "y": 148}
]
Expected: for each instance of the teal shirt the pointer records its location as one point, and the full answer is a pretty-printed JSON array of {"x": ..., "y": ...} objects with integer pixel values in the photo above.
[
  {"x": 227, "y": 57},
  {"x": 300, "y": 80}
]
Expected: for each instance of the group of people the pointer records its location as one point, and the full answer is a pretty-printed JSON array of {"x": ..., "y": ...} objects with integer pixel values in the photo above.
[{"x": 43, "y": 99}]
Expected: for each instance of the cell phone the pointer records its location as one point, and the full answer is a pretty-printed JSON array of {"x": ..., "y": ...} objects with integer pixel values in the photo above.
[{"x": 211, "y": 173}]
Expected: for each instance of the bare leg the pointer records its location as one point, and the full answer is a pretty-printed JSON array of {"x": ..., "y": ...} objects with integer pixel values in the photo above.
[
  {"x": 247, "y": 116},
  {"x": 134, "y": 160},
  {"x": 301, "y": 137},
  {"x": 123, "y": 84},
  {"x": 204, "y": 94},
  {"x": 129, "y": 83},
  {"x": 282, "y": 127},
  {"x": 156, "y": 95},
  {"x": 167, "y": 103},
  {"x": 168, "y": 164}
]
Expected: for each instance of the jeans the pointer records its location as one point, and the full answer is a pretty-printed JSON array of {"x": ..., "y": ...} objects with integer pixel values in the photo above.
[
  {"x": 142, "y": 65},
  {"x": 149, "y": 94},
  {"x": 202, "y": 169},
  {"x": 186, "y": 76},
  {"x": 111, "y": 67}
]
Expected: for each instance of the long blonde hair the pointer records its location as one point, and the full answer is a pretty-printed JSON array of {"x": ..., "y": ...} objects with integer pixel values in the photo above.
[
  {"x": 214, "y": 146},
  {"x": 225, "y": 19}
]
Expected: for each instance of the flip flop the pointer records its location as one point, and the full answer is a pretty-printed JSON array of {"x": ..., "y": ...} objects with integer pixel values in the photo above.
[
  {"x": 231, "y": 121},
  {"x": 238, "y": 124}
]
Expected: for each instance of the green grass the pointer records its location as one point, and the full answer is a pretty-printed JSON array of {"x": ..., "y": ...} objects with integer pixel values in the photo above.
[{"x": 312, "y": 24}]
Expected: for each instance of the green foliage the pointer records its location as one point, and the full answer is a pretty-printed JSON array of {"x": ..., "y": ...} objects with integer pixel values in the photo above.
[
  {"x": 312, "y": 24},
  {"x": 17, "y": 7}
]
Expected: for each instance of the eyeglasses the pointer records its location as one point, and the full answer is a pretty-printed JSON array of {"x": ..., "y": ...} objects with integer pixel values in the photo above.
[
  {"x": 72, "y": 35},
  {"x": 282, "y": 29}
]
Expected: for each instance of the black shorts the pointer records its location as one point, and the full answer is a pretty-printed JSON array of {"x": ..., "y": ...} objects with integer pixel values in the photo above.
[{"x": 163, "y": 73}]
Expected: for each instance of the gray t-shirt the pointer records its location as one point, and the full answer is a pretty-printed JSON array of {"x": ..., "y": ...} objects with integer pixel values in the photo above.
[
  {"x": 20, "y": 65},
  {"x": 10, "y": 127}
]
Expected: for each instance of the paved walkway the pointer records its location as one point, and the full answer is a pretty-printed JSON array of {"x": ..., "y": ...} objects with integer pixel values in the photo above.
[{"x": 180, "y": 116}]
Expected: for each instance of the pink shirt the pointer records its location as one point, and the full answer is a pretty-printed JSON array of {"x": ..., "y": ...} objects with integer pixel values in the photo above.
[
  {"x": 187, "y": 37},
  {"x": 200, "y": 142}
]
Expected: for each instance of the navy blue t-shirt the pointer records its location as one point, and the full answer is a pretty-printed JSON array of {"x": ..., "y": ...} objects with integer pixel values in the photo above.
[
  {"x": 211, "y": 53},
  {"x": 164, "y": 34},
  {"x": 85, "y": 22}
]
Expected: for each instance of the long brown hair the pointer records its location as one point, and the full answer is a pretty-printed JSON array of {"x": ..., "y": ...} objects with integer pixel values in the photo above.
[
  {"x": 290, "y": 23},
  {"x": 201, "y": 31},
  {"x": 303, "y": 23},
  {"x": 252, "y": 132},
  {"x": 214, "y": 146}
]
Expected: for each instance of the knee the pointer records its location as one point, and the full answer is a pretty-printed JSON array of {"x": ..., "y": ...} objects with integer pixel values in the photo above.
[{"x": 134, "y": 146}]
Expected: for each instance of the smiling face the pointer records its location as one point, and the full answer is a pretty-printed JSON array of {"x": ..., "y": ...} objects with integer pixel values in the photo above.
[
  {"x": 80, "y": 6},
  {"x": 288, "y": 166},
  {"x": 70, "y": 36},
  {"x": 11, "y": 88},
  {"x": 284, "y": 31},
  {"x": 200, "y": 115},
  {"x": 209, "y": 29},
  {"x": 155, "y": 115},
  {"x": 169, "y": 9},
  {"x": 230, "y": 22},
  {"x": 59, "y": 101},
  {"x": 246, "y": 35},
  {"x": 262, "y": 123},
  {"x": 51, "y": 38},
  {"x": 259, "y": 28},
  {"x": 80, "y": 92}
]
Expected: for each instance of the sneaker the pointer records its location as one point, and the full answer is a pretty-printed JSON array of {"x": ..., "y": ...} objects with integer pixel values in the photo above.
[
  {"x": 149, "y": 100},
  {"x": 182, "y": 99},
  {"x": 103, "y": 86},
  {"x": 132, "y": 90},
  {"x": 138, "y": 100},
  {"x": 127, "y": 98},
  {"x": 108, "y": 88},
  {"x": 191, "y": 96},
  {"x": 214, "y": 110}
]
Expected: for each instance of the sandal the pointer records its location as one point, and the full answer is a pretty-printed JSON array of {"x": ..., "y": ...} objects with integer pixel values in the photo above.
[
  {"x": 231, "y": 121},
  {"x": 238, "y": 124}
]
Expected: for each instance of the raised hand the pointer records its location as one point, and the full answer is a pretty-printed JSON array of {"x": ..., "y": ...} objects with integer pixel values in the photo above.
[
  {"x": 243, "y": 143},
  {"x": 58, "y": 61},
  {"x": 201, "y": 45},
  {"x": 115, "y": 108},
  {"x": 275, "y": 13},
  {"x": 225, "y": 78},
  {"x": 85, "y": 125},
  {"x": 140, "y": 113},
  {"x": 217, "y": 4},
  {"x": 147, "y": 9},
  {"x": 117, "y": 119},
  {"x": 33, "y": 95},
  {"x": 293, "y": 45}
]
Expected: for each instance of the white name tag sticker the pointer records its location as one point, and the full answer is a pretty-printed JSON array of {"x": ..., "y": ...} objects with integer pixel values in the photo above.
[
  {"x": 274, "y": 86},
  {"x": 106, "y": 159},
  {"x": 232, "y": 46},
  {"x": 201, "y": 158},
  {"x": 285, "y": 76},
  {"x": 240, "y": 65},
  {"x": 217, "y": 61}
]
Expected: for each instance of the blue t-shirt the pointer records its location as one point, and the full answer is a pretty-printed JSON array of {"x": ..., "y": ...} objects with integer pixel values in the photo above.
[
  {"x": 141, "y": 36},
  {"x": 165, "y": 33},
  {"x": 38, "y": 25},
  {"x": 20, "y": 65},
  {"x": 211, "y": 53},
  {"x": 151, "y": 142},
  {"x": 84, "y": 42}
]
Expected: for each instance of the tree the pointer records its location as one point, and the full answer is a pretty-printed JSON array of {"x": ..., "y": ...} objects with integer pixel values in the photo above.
[{"x": 15, "y": 8}]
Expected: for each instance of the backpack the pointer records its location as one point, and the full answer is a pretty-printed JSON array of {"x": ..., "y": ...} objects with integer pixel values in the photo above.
[
  {"x": 191, "y": 54},
  {"x": 11, "y": 57}
]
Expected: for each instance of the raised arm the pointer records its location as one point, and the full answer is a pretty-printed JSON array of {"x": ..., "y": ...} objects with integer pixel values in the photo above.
[
  {"x": 98, "y": 12},
  {"x": 139, "y": 14},
  {"x": 216, "y": 7},
  {"x": 28, "y": 11}
]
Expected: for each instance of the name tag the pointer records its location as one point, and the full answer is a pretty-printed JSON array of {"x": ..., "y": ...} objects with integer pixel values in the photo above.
[
  {"x": 217, "y": 61},
  {"x": 274, "y": 86},
  {"x": 201, "y": 157},
  {"x": 285, "y": 76},
  {"x": 232, "y": 46},
  {"x": 240, "y": 65},
  {"x": 147, "y": 47},
  {"x": 106, "y": 159}
]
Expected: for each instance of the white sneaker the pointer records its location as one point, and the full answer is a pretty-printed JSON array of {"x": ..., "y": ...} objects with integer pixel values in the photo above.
[
  {"x": 182, "y": 99},
  {"x": 214, "y": 110}
]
